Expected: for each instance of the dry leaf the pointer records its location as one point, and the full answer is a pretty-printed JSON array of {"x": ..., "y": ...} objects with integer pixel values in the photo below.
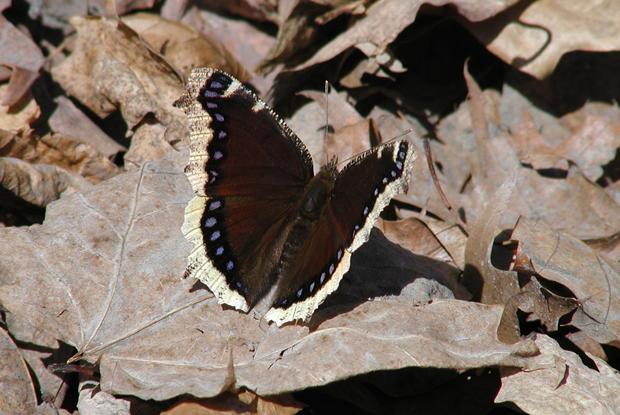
[
  {"x": 245, "y": 403},
  {"x": 430, "y": 238},
  {"x": 68, "y": 120},
  {"x": 247, "y": 43},
  {"x": 541, "y": 302},
  {"x": 492, "y": 285},
  {"x": 297, "y": 31},
  {"x": 567, "y": 261},
  {"x": 533, "y": 36},
  {"x": 347, "y": 142},
  {"x": 147, "y": 143},
  {"x": 111, "y": 68},
  {"x": 372, "y": 35},
  {"x": 595, "y": 138},
  {"x": 562, "y": 384},
  {"x": 259, "y": 10},
  {"x": 18, "y": 394},
  {"x": 20, "y": 115},
  {"x": 60, "y": 151},
  {"x": 38, "y": 184},
  {"x": 532, "y": 148},
  {"x": 118, "y": 296},
  {"x": 92, "y": 401},
  {"x": 183, "y": 46},
  {"x": 20, "y": 53}
]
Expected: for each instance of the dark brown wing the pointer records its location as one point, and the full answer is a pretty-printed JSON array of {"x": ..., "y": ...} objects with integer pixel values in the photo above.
[
  {"x": 361, "y": 191},
  {"x": 248, "y": 169}
]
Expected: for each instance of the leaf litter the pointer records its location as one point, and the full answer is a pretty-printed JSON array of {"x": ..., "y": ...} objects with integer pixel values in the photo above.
[{"x": 100, "y": 281}]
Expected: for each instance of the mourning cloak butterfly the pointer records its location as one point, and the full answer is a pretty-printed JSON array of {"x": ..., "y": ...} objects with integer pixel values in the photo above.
[{"x": 261, "y": 219}]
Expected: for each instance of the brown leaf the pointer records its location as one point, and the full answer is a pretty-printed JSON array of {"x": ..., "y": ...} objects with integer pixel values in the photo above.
[
  {"x": 595, "y": 138},
  {"x": 117, "y": 7},
  {"x": 20, "y": 115},
  {"x": 351, "y": 130},
  {"x": 148, "y": 143},
  {"x": 533, "y": 36},
  {"x": 56, "y": 15},
  {"x": 20, "y": 53},
  {"x": 567, "y": 261},
  {"x": 18, "y": 394},
  {"x": 68, "y": 120},
  {"x": 247, "y": 43},
  {"x": 155, "y": 338},
  {"x": 542, "y": 303},
  {"x": 259, "y": 10},
  {"x": 183, "y": 46},
  {"x": 245, "y": 403},
  {"x": 561, "y": 383},
  {"x": 61, "y": 151},
  {"x": 297, "y": 31},
  {"x": 493, "y": 285},
  {"x": 574, "y": 205},
  {"x": 532, "y": 148},
  {"x": 39, "y": 184},
  {"x": 111, "y": 68},
  {"x": 431, "y": 238},
  {"x": 372, "y": 35},
  {"x": 587, "y": 344},
  {"x": 94, "y": 401}
]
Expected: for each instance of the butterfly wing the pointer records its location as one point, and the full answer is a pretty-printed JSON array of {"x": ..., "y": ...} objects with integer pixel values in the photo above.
[
  {"x": 361, "y": 191},
  {"x": 247, "y": 169}
]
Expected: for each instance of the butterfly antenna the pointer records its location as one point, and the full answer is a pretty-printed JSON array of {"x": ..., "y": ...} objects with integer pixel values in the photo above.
[
  {"x": 377, "y": 147},
  {"x": 326, "y": 131}
]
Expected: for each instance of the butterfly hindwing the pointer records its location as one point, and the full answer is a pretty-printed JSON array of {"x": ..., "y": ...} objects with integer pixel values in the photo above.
[{"x": 360, "y": 192}]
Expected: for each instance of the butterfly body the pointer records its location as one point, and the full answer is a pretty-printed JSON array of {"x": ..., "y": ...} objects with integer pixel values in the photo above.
[{"x": 261, "y": 221}]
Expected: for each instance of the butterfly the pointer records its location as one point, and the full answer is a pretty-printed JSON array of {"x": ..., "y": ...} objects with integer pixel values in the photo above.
[{"x": 260, "y": 220}]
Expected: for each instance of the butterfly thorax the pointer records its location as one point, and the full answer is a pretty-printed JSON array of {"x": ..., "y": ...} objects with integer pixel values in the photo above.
[{"x": 317, "y": 192}]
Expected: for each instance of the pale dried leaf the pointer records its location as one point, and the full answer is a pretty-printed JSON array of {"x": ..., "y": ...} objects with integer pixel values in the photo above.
[
  {"x": 148, "y": 143},
  {"x": 20, "y": 115},
  {"x": 341, "y": 112},
  {"x": 60, "y": 151},
  {"x": 595, "y": 138},
  {"x": 68, "y": 120},
  {"x": 247, "y": 43},
  {"x": 562, "y": 384},
  {"x": 18, "y": 394},
  {"x": 574, "y": 205},
  {"x": 118, "y": 7},
  {"x": 347, "y": 142},
  {"x": 56, "y": 14},
  {"x": 308, "y": 122},
  {"x": 495, "y": 286},
  {"x": 259, "y": 10},
  {"x": 565, "y": 260},
  {"x": 533, "y": 36},
  {"x": 587, "y": 344},
  {"x": 372, "y": 32},
  {"x": 19, "y": 52},
  {"x": 39, "y": 184},
  {"x": 415, "y": 236},
  {"x": 112, "y": 68},
  {"x": 532, "y": 148},
  {"x": 244, "y": 403},
  {"x": 118, "y": 296},
  {"x": 96, "y": 402},
  {"x": 296, "y": 32},
  {"x": 183, "y": 46},
  {"x": 540, "y": 303}
]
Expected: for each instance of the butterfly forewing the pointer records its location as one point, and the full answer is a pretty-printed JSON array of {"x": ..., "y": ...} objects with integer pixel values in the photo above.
[{"x": 248, "y": 171}]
